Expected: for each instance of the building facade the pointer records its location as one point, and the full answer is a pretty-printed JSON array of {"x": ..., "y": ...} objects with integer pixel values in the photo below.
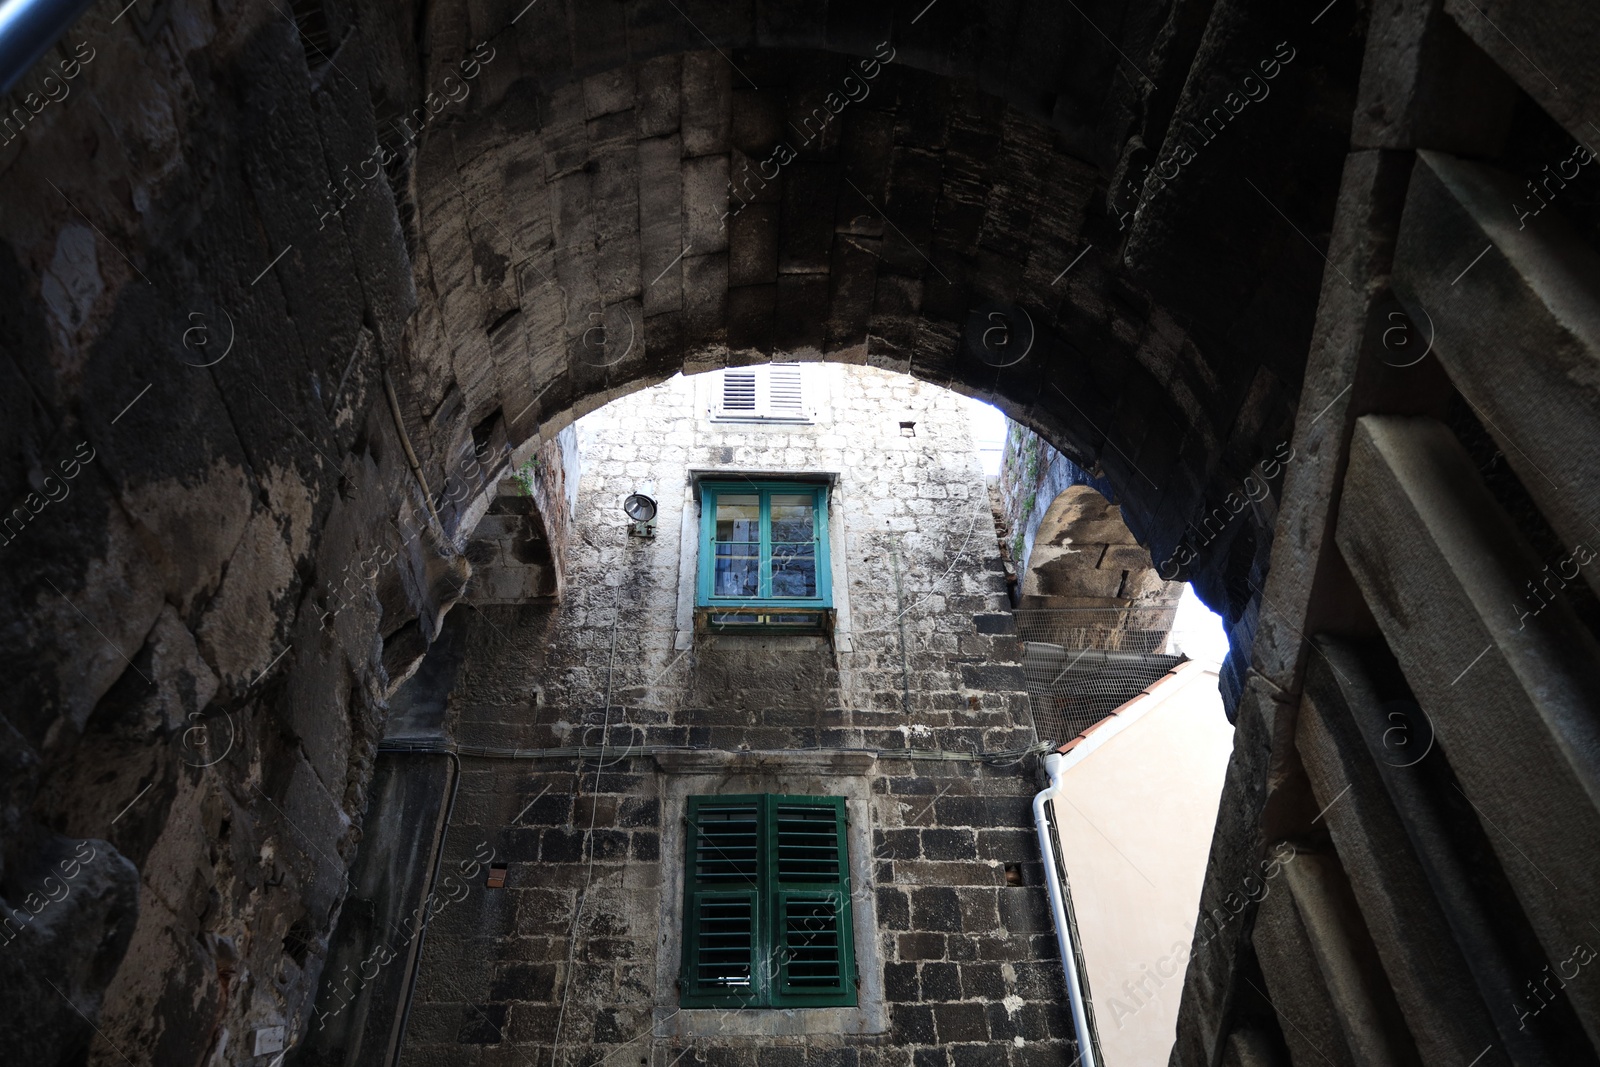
[{"x": 634, "y": 752}]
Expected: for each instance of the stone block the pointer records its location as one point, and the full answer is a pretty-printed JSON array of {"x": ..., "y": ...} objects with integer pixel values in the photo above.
[
  {"x": 706, "y": 103},
  {"x": 1343, "y": 952},
  {"x": 936, "y": 909},
  {"x": 900, "y": 982},
  {"x": 1294, "y": 985},
  {"x": 659, "y": 96},
  {"x": 1518, "y": 329},
  {"x": 1041, "y": 980},
  {"x": 946, "y": 845},
  {"x": 911, "y": 947},
  {"x": 1024, "y": 910},
  {"x": 524, "y": 981},
  {"x": 1564, "y": 82},
  {"x": 482, "y": 1025},
  {"x": 894, "y": 909},
  {"x": 995, "y": 623},
  {"x": 1438, "y": 561},
  {"x": 1432, "y": 980},
  {"x": 912, "y": 1024},
  {"x": 940, "y": 981},
  {"x": 960, "y": 1022},
  {"x": 646, "y": 847},
  {"x": 1417, "y": 58},
  {"x": 898, "y": 844}
]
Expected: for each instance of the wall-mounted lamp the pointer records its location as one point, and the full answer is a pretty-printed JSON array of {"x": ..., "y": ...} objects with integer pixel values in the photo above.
[{"x": 641, "y": 512}]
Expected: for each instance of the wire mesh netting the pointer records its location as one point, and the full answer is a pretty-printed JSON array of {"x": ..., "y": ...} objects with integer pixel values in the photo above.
[{"x": 1081, "y": 664}]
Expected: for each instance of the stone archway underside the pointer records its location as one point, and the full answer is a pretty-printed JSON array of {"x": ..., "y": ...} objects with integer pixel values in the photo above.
[{"x": 188, "y": 693}]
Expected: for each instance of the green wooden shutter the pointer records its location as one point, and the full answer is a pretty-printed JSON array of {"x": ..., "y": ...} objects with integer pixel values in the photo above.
[
  {"x": 813, "y": 949},
  {"x": 766, "y": 920},
  {"x": 722, "y": 909}
]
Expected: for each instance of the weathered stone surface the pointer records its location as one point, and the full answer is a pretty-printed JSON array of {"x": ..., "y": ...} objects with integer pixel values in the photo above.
[
  {"x": 1342, "y": 947},
  {"x": 1425, "y": 84},
  {"x": 584, "y": 930},
  {"x": 1518, "y": 331},
  {"x": 61, "y": 950},
  {"x": 1561, "y": 79},
  {"x": 1284, "y": 948},
  {"x": 1431, "y": 979},
  {"x": 1438, "y": 560},
  {"x": 226, "y": 168}
]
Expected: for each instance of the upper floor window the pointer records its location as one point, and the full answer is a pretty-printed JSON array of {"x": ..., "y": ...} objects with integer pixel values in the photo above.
[
  {"x": 774, "y": 392},
  {"x": 766, "y": 916},
  {"x": 764, "y": 555}
]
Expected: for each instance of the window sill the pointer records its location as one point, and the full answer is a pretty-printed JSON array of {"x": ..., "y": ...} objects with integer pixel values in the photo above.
[
  {"x": 761, "y": 420},
  {"x": 764, "y": 1023},
  {"x": 817, "y": 621}
]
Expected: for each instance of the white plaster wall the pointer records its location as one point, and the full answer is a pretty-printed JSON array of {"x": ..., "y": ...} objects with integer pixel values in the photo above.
[{"x": 1135, "y": 818}]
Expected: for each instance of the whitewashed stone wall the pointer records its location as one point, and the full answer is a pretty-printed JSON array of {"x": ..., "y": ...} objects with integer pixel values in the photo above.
[{"x": 914, "y": 502}]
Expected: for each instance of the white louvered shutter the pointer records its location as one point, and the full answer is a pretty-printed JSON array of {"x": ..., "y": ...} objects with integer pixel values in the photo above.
[
  {"x": 784, "y": 398},
  {"x": 774, "y": 391},
  {"x": 739, "y": 392}
]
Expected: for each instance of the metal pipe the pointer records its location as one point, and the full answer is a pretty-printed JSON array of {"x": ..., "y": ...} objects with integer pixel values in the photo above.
[
  {"x": 411, "y": 454},
  {"x": 1053, "y": 766},
  {"x": 399, "y": 1038},
  {"x": 27, "y": 30}
]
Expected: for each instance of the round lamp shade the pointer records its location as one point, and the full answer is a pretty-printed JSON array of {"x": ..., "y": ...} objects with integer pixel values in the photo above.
[{"x": 639, "y": 507}]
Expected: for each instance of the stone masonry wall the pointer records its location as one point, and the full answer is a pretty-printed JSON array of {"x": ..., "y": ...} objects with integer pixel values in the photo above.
[{"x": 565, "y": 964}]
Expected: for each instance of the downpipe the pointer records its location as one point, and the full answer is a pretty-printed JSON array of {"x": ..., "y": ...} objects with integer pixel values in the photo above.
[
  {"x": 1054, "y": 767},
  {"x": 399, "y": 1039}
]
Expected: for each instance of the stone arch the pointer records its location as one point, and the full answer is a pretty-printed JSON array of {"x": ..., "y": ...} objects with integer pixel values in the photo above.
[
  {"x": 634, "y": 183},
  {"x": 375, "y": 389}
]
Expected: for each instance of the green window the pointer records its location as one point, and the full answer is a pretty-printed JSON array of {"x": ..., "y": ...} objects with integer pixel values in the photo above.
[
  {"x": 766, "y": 904},
  {"x": 764, "y": 555}
]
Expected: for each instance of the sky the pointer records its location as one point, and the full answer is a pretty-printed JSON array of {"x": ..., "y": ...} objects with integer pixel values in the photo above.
[
  {"x": 988, "y": 433},
  {"x": 1197, "y": 631}
]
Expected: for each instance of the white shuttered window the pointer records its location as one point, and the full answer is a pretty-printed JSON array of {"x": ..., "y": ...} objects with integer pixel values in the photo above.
[{"x": 773, "y": 391}]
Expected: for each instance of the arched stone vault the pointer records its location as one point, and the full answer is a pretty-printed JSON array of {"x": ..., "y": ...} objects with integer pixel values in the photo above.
[
  {"x": 943, "y": 200},
  {"x": 184, "y": 688}
]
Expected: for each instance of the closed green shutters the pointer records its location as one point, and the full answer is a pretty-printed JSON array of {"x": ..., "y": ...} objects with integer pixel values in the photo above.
[{"x": 767, "y": 903}]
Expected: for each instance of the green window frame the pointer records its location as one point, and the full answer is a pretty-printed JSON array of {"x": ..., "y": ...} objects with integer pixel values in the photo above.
[
  {"x": 766, "y": 903},
  {"x": 761, "y": 567}
]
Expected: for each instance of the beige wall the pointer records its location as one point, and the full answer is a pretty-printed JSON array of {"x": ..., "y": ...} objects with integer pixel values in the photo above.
[{"x": 1136, "y": 814}]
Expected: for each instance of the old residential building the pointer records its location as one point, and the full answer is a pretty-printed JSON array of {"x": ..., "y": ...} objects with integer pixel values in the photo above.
[{"x": 767, "y": 751}]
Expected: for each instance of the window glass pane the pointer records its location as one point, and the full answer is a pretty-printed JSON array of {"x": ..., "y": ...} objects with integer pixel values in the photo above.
[
  {"x": 794, "y": 570},
  {"x": 732, "y": 618},
  {"x": 738, "y": 570},
  {"x": 739, "y": 518},
  {"x": 792, "y": 517}
]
